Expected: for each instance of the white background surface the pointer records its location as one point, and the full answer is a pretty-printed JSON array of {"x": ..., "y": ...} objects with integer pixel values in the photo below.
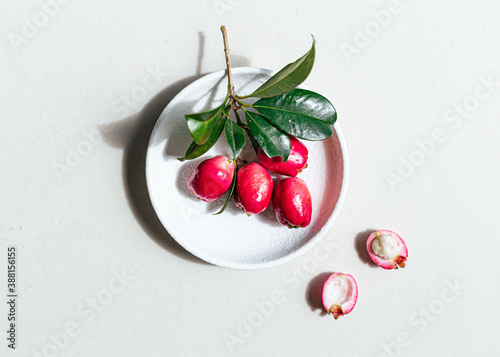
[{"x": 79, "y": 220}]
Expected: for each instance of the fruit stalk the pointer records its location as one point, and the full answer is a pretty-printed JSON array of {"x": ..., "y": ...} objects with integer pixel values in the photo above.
[{"x": 232, "y": 94}]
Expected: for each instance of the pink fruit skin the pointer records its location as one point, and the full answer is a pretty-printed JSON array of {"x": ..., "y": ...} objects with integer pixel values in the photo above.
[
  {"x": 347, "y": 307},
  {"x": 384, "y": 263},
  {"x": 292, "y": 203},
  {"x": 254, "y": 188},
  {"x": 211, "y": 178},
  {"x": 297, "y": 161}
]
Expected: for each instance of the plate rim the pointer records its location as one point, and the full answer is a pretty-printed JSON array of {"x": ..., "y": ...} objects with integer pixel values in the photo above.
[{"x": 283, "y": 259}]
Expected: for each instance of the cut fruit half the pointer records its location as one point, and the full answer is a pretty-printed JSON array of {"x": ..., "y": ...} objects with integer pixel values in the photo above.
[
  {"x": 340, "y": 293},
  {"x": 387, "y": 249}
]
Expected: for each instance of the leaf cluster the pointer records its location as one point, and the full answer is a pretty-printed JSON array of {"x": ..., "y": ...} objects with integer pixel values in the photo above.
[{"x": 281, "y": 111}]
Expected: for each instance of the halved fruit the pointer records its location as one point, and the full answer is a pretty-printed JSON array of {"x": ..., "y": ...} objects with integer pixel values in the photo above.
[
  {"x": 340, "y": 293},
  {"x": 387, "y": 249}
]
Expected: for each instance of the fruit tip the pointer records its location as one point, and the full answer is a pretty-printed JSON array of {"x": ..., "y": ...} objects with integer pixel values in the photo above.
[
  {"x": 399, "y": 260},
  {"x": 336, "y": 311}
]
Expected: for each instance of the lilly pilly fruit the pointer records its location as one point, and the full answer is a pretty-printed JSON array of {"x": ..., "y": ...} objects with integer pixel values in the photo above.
[
  {"x": 296, "y": 162},
  {"x": 254, "y": 188},
  {"x": 211, "y": 178},
  {"x": 340, "y": 293},
  {"x": 292, "y": 203},
  {"x": 387, "y": 249}
]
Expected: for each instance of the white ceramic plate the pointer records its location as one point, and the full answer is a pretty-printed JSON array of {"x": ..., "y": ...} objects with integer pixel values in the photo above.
[{"x": 232, "y": 239}]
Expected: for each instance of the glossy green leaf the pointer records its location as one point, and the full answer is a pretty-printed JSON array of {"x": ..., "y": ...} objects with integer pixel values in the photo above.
[
  {"x": 195, "y": 150},
  {"x": 301, "y": 113},
  {"x": 273, "y": 141},
  {"x": 201, "y": 125},
  {"x": 231, "y": 190},
  {"x": 287, "y": 78},
  {"x": 254, "y": 142},
  {"x": 235, "y": 137}
]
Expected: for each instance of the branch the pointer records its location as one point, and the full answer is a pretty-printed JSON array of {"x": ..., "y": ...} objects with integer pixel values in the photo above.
[{"x": 232, "y": 95}]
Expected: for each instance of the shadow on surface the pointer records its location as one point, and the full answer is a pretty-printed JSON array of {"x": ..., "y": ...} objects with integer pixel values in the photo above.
[
  {"x": 132, "y": 134},
  {"x": 360, "y": 246},
  {"x": 314, "y": 292}
]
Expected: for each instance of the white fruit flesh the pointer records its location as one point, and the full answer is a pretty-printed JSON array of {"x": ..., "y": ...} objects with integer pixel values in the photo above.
[
  {"x": 386, "y": 246},
  {"x": 339, "y": 291}
]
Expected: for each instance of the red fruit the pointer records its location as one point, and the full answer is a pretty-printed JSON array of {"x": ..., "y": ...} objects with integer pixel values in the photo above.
[
  {"x": 254, "y": 188},
  {"x": 211, "y": 178},
  {"x": 387, "y": 249},
  {"x": 292, "y": 203},
  {"x": 297, "y": 161}
]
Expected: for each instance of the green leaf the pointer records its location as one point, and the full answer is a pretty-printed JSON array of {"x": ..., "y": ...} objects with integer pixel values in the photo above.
[
  {"x": 235, "y": 137},
  {"x": 196, "y": 150},
  {"x": 271, "y": 140},
  {"x": 301, "y": 113},
  {"x": 254, "y": 143},
  {"x": 201, "y": 125},
  {"x": 231, "y": 190},
  {"x": 288, "y": 78}
]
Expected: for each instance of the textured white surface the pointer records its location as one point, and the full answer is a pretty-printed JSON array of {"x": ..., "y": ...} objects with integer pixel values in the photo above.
[
  {"x": 106, "y": 69},
  {"x": 232, "y": 239}
]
